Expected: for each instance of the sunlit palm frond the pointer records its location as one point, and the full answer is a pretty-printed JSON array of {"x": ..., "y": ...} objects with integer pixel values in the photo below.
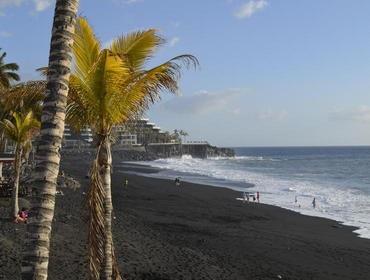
[
  {"x": 77, "y": 106},
  {"x": 21, "y": 129},
  {"x": 28, "y": 126},
  {"x": 86, "y": 47},
  {"x": 162, "y": 78},
  {"x": 137, "y": 48},
  {"x": 93, "y": 95}
]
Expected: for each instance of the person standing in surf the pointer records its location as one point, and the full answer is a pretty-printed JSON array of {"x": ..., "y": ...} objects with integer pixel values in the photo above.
[
  {"x": 177, "y": 181},
  {"x": 314, "y": 202},
  {"x": 244, "y": 196}
]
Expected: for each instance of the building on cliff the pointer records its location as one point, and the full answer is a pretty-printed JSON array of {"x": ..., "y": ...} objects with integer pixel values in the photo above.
[
  {"x": 139, "y": 132},
  {"x": 146, "y": 137},
  {"x": 72, "y": 139}
]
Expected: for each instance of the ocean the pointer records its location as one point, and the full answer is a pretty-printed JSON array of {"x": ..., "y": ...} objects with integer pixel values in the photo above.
[{"x": 337, "y": 177}]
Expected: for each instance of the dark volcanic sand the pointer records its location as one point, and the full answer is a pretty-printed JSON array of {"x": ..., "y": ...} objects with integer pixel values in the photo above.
[{"x": 195, "y": 232}]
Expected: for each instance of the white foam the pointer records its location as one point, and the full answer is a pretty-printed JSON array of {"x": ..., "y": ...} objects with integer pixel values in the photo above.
[{"x": 344, "y": 204}]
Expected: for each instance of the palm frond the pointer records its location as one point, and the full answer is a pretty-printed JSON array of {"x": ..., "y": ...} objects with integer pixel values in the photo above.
[
  {"x": 92, "y": 95},
  {"x": 86, "y": 47},
  {"x": 10, "y": 130},
  {"x": 4, "y": 81},
  {"x": 162, "y": 77},
  {"x": 137, "y": 48},
  {"x": 7, "y": 72},
  {"x": 43, "y": 71},
  {"x": 22, "y": 128},
  {"x": 24, "y": 97},
  {"x": 9, "y": 67},
  {"x": 2, "y": 56},
  {"x": 11, "y": 76}
]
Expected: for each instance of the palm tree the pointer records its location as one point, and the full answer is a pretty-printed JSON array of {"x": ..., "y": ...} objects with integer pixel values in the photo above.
[
  {"x": 37, "y": 242},
  {"x": 7, "y": 72},
  {"x": 20, "y": 131},
  {"x": 21, "y": 97},
  {"x": 108, "y": 88},
  {"x": 184, "y": 134},
  {"x": 176, "y": 136}
]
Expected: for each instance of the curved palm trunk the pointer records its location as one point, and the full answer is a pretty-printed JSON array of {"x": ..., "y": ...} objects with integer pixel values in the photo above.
[
  {"x": 105, "y": 164},
  {"x": 17, "y": 172},
  {"x": 103, "y": 264},
  {"x": 37, "y": 241}
]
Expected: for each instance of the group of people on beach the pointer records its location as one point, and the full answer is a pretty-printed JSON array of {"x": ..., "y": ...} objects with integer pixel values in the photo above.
[
  {"x": 247, "y": 195},
  {"x": 177, "y": 181},
  {"x": 299, "y": 205}
]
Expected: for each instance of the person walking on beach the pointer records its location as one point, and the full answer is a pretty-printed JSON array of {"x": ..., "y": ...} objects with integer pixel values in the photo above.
[
  {"x": 314, "y": 202},
  {"x": 258, "y": 197},
  {"x": 125, "y": 184},
  {"x": 177, "y": 181}
]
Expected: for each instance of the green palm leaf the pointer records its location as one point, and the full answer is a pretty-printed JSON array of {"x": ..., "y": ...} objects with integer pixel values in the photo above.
[
  {"x": 137, "y": 48},
  {"x": 7, "y": 72}
]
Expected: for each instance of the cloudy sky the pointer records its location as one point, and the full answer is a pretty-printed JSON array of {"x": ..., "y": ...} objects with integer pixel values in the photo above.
[{"x": 273, "y": 72}]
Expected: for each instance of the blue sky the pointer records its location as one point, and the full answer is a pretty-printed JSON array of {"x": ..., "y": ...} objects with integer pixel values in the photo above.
[{"x": 273, "y": 72}]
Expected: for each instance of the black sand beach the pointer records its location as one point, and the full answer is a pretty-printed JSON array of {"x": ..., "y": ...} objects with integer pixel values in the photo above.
[{"x": 193, "y": 232}]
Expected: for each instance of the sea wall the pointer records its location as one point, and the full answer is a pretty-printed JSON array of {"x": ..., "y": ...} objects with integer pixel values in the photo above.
[
  {"x": 195, "y": 150},
  {"x": 155, "y": 151}
]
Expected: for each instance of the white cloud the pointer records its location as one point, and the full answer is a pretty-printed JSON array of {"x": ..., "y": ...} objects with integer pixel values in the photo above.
[
  {"x": 271, "y": 115},
  {"x": 204, "y": 102},
  {"x": 41, "y": 5},
  {"x": 174, "y": 41},
  {"x": 5, "y": 34},
  {"x": 9, "y": 3},
  {"x": 359, "y": 114},
  {"x": 251, "y": 7}
]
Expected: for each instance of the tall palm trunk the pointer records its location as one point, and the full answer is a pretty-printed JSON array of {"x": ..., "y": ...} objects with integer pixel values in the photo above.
[
  {"x": 105, "y": 164},
  {"x": 37, "y": 242},
  {"x": 103, "y": 264},
  {"x": 17, "y": 172}
]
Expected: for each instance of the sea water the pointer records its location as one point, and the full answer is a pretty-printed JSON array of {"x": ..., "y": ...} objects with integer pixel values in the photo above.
[{"x": 337, "y": 177}]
